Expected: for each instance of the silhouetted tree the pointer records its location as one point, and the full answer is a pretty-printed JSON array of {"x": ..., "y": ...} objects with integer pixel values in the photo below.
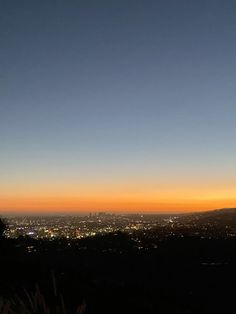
[{"x": 2, "y": 227}]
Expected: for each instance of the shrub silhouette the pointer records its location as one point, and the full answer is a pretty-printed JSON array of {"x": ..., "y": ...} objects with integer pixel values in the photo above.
[
  {"x": 2, "y": 227},
  {"x": 35, "y": 302}
]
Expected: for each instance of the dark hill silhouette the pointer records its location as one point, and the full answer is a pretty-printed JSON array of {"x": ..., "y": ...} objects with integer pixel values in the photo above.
[
  {"x": 221, "y": 211},
  {"x": 225, "y": 217}
]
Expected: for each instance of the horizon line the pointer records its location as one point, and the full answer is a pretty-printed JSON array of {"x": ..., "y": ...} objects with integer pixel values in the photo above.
[{"x": 94, "y": 212}]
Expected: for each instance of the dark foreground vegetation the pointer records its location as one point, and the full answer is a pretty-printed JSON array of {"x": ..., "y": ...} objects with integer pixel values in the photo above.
[{"x": 119, "y": 273}]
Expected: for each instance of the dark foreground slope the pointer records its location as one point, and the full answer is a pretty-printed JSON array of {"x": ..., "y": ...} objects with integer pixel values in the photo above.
[{"x": 118, "y": 273}]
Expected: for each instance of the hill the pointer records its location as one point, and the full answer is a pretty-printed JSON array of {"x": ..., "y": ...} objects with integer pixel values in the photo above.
[{"x": 225, "y": 217}]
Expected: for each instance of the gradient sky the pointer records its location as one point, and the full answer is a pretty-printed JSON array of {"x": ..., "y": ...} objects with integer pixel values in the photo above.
[{"x": 125, "y": 105}]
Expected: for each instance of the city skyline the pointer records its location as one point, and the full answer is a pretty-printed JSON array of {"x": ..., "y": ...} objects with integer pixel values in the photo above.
[{"x": 120, "y": 106}]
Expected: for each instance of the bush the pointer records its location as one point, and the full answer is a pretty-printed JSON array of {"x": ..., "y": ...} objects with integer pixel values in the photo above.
[{"x": 2, "y": 227}]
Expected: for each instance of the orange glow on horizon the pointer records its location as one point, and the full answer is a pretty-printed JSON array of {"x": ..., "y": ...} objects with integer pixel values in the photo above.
[
  {"x": 76, "y": 204},
  {"x": 47, "y": 198}
]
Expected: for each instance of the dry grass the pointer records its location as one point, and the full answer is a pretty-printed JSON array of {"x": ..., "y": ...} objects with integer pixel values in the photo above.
[{"x": 36, "y": 303}]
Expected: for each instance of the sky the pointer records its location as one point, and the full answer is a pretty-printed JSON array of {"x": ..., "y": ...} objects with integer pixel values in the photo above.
[{"x": 125, "y": 105}]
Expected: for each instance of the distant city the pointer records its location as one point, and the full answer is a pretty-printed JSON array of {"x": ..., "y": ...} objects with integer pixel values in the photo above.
[
  {"x": 208, "y": 224},
  {"x": 76, "y": 227}
]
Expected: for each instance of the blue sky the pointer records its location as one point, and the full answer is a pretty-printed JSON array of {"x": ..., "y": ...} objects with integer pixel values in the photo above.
[{"x": 110, "y": 92}]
